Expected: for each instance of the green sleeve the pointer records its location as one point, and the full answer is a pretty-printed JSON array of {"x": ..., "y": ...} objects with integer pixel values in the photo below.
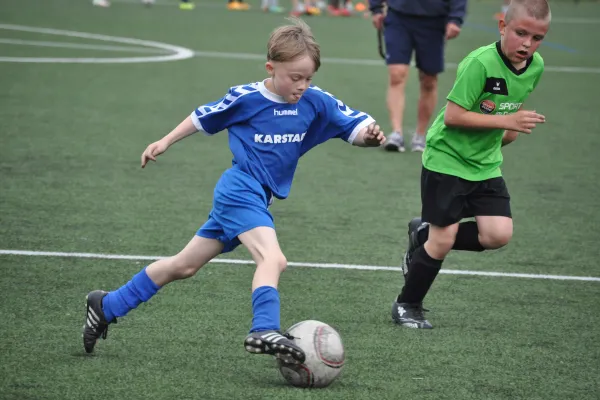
[{"x": 469, "y": 83}]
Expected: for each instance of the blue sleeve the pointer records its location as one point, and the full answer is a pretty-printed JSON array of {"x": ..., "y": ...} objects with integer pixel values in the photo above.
[
  {"x": 458, "y": 10},
  {"x": 337, "y": 120},
  {"x": 219, "y": 115},
  {"x": 376, "y": 6}
]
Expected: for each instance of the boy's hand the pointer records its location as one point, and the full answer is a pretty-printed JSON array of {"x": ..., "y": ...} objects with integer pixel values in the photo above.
[
  {"x": 373, "y": 136},
  {"x": 153, "y": 150},
  {"x": 452, "y": 30},
  {"x": 378, "y": 21},
  {"x": 524, "y": 121}
]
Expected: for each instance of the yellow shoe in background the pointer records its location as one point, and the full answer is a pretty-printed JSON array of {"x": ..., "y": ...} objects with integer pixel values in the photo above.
[{"x": 313, "y": 11}]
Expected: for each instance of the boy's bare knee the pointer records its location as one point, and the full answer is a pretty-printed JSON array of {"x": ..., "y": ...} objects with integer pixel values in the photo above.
[
  {"x": 495, "y": 240},
  {"x": 183, "y": 268},
  {"x": 441, "y": 246},
  {"x": 281, "y": 262},
  {"x": 440, "y": 241}
]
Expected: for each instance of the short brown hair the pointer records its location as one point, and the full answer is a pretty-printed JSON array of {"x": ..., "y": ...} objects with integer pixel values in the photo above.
[
  {"x": 538, "y": 9},
  {"x": 291, "y": 42}
]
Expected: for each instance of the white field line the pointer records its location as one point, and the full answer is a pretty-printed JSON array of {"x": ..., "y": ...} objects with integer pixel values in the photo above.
[
  {"x": 31, "y": 253},
  {"x": 174, "y": 52},
  {"x": 128, "y": 49}
]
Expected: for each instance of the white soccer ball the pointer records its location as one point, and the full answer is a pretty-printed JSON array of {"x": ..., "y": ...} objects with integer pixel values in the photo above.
[{"x": 324, "y": 355}]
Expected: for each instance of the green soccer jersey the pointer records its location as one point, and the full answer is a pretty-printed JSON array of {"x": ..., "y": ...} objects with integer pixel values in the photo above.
[{"x": 486, "y": 83}]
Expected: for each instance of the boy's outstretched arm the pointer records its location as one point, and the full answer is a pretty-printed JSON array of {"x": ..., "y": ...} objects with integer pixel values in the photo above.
[
  {"x": 522, "y": 121},
  {"x": 369, "y": 136},
  {"x": 184, "y": 129}
]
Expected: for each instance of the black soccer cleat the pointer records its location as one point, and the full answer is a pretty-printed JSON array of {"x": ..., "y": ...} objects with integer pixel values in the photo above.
[
  {"x": 410, "y": 315},
  {"x": 275, "y": 343},
  {"x": 414, "y": 227},
  {"x": 96, "y": 326}
]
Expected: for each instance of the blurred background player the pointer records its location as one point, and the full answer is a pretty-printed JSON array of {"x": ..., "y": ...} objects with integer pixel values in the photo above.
[
  {"x": 500, "y": 15},
  {"x": 272, "y": 6},
  {"x": 339, "y": 8},
  {"x": 423, "y": 27},
  {"x": 308, "y": 7}
]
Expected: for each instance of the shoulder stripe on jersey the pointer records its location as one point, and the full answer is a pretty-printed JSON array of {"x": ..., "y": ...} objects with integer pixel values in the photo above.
[
  {"x": 341, "y": 106},
  {"x": 234, "y": 93}
]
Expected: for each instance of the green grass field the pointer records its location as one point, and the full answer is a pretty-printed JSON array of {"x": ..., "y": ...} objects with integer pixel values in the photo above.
[{"x": 71, "y": 135}]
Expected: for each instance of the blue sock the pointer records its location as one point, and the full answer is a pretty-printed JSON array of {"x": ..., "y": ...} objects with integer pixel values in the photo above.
[
  {"x": 265, "y": 307},
  {"x": 139, "y": 289}
]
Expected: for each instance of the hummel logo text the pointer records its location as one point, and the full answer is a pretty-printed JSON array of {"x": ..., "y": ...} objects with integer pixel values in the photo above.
[{"x": 285, "y": 112}]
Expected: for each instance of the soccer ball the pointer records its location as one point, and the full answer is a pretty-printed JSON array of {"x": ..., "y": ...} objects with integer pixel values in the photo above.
[{"x": 324, "y": 355}]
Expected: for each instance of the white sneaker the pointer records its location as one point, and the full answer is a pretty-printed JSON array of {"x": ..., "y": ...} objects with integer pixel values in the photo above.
[
  {"x": 101, "y": 3},
  {"x": 418, "y": 143},
  {"x": 147, "y": 2},
  {"x": 394, "y": 142}
]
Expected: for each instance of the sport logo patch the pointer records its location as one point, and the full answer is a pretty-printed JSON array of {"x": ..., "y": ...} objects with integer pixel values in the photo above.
[
  {"x": 496, "y": 86},
  {"x": 487, "y": 106}
]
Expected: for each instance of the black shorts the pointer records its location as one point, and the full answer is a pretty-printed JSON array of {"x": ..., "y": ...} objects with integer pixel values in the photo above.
[
  {"x": 447, "y": 199},
  {"x": 425, "y": 36}
]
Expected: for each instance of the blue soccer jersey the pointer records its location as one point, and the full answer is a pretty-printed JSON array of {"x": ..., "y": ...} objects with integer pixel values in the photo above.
[{"x": 267, "y": 135}]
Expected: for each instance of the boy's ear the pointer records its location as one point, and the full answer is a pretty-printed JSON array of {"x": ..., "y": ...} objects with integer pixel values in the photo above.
[
  {"x": 269, "y": 67},
  {"x": 502, "y": 26}
]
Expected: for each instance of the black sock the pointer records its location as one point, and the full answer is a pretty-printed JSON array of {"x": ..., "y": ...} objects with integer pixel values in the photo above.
[
  {"x": 421, "y": 273},
  {"x": 467, "y": 237}
]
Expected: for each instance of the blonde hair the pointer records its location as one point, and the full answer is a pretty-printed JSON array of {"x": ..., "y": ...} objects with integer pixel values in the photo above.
[
  {"x": 291, "y": 42},
  {"x": 538, "y": 9}
]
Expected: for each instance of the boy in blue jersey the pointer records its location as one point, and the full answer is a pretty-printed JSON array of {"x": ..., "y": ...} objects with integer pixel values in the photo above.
[{"x": 271, "y": 124}]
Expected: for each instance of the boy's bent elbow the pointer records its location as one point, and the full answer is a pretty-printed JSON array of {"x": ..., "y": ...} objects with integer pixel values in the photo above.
[
  {"x": 454, "y": 115},
  {"x": 450, "y": 120}
]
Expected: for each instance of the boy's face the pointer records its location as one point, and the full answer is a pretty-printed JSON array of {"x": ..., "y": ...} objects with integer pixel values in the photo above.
[
  {"x": 521, "y": 36},
  {"x": 291, "y": 79}
]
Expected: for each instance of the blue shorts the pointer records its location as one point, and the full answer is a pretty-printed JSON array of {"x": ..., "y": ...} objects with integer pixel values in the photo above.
[
  {"x": 424, "y": 35},
  {"x": 240, "y": 203}
]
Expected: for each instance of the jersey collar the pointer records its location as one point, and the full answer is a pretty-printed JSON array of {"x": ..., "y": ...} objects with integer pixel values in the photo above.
[
  {"x": 509, "y": 64},
  {"x": 270, "y": 95}
]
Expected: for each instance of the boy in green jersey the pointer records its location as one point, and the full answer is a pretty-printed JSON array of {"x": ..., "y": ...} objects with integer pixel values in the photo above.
[{"x": 461, "y": 175}]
